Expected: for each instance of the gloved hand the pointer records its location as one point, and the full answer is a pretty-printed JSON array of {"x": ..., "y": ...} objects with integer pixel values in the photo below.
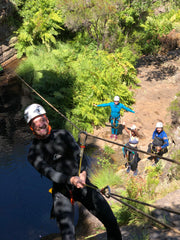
[{"x": 94, "y": 105}]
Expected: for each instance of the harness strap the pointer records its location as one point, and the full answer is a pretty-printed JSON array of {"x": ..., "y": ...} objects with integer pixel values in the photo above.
[
  {"x": 71, "y": 197},
  {"x": 113, "y": 125}
]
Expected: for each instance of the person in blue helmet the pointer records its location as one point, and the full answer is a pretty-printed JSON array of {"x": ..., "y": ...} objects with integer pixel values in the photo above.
[
  {"x": 116, "y": 107},
  {"x": 159, "y": 144}
]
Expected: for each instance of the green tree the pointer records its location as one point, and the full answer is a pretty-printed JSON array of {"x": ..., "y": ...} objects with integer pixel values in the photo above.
[
  {"x": 98, "y": 17},
  {"x": 42, "y": 21},
  {"x": 72, "y": 80}
]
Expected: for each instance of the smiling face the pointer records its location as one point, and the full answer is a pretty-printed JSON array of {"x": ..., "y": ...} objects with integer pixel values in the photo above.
[
  {"x": 159, "y": 129},
  {"x": 133, "y": 133},
  {"x": 40, "y": 126}
]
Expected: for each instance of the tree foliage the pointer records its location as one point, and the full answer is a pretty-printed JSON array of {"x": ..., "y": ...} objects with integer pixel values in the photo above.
[
  {"x": 73, "y": 81},
  {"x": 156, "y": 26},
  {"x": 42, "y": 22},
  {"x": 97, "y": 17},
  {"x": 98, "y": 61},
  {"x": 118, "y": 23}
]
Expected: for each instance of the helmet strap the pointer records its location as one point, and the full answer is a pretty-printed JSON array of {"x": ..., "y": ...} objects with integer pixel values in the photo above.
[{"x": 49, "y": 130}]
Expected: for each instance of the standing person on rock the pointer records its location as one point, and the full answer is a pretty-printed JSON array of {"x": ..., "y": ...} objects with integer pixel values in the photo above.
[
  {"x": 116, "y": 107},
  {"x": 159, "y": 143},
  {"x": 130, "y": 153},
  {"x": 56, "y": 155}
]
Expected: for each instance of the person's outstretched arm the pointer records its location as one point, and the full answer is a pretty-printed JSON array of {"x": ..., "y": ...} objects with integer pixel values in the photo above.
[
  {"x": 102, "y": 105},
  {"x": 126, "y": 129},
  {"x": 127, "y": 109}
]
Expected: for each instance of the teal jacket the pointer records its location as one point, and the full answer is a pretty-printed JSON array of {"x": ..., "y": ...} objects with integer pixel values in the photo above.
[{"x": 115, "y": 109}]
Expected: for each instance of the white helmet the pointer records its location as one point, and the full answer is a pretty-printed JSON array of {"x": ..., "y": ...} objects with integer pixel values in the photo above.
[
  {"x": 133, "y": 127},
  {"x": 116, "y": 99},
  {"x": 33, "y": 111},
  {"x": 159, "y": 125}
]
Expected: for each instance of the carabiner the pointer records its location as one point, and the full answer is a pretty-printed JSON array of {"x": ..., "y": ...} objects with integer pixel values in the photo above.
[{"x": 106, "y": 191}]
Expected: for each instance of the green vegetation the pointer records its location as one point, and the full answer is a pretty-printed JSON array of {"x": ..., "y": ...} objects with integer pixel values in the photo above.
[
  {"x": 111, "y": 25},
  {"x": 1, "y": 68},
  {"x": 42, "y": 22},
  {"x": 152, "y": 179},
  {"x": 175, "y": 107},
  {"x": 101, "y": 175},
  {"x": 142, "y": 189},
  {"x": 108, "y": 150},
  {"x": 72, "y": 80},
  {"x": 174, "y": 171},
  {"x": 79, "y": 53},
  {"x": 135, "y": 189},
  {"x": 84, "y": 52}
]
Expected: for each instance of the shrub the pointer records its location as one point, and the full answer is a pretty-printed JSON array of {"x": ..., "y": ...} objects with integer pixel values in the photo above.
[
  {"x": 152, "y": 178},
  {"x": 41, "y": 23},
  {"x": 135, "y": 189},
  {"x": 73, "y": 79},
  {"x": 104, "y": 174}
]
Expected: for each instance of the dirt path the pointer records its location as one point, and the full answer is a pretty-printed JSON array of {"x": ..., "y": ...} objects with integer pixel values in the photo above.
[{"x": 158, "y": 87}]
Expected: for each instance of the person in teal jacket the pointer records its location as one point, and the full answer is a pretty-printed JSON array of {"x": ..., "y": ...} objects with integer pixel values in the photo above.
[{"x": 116, "y": 107}]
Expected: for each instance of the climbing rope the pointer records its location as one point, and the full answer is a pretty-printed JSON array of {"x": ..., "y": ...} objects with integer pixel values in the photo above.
[
  {"x": 147, "y": 215},
  {"x": 82, "y": 147},
  {"x": 106, "y": 192},
  {"x": 146, "y": 204},
  {"x": 137, "y": 150}
]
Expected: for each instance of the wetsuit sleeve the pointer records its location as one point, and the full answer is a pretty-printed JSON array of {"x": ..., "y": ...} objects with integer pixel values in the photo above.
[
  {"x": 37, "y": 161},
  {"x": 166, "y": 141},
  {"x": 103, "y": 105},
  {"x": 127, "y": 109}
]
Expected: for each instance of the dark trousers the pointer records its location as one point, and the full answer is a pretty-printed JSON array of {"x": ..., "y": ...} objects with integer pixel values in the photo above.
[
  {"x": 133, "y": 156},
  {"x": 152, "y": 149},
  {"x": 94, "y": 202}
]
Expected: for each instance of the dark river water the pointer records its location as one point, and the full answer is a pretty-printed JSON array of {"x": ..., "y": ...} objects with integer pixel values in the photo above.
[{"x": 25, "y": 202}]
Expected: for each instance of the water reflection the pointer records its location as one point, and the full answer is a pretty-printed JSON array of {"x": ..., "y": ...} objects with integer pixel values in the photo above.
[{"x": 25, "y": 202}]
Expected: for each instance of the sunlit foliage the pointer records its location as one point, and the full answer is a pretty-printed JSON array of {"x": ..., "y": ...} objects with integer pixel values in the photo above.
[{"x": 42, "y": 22}]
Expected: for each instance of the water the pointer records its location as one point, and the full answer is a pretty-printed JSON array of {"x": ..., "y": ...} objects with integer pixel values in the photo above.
[{"x": 25, "y": 202}]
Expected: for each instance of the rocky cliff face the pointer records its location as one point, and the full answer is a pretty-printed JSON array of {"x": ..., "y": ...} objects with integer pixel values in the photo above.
[{"x": 7, "y": 40}]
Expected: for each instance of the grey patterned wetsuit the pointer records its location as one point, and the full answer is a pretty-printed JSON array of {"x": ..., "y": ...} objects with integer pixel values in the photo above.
[{"x": 57, "y": 158}]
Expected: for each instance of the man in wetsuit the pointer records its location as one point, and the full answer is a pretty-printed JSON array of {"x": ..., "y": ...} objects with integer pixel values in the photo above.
[{"x": 55, "y": 155}]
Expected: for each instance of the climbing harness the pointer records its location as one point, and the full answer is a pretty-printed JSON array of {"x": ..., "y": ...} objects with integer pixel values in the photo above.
[
  {"x": 71, "y": 197},
  {"x": 114, "y": 122}
]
